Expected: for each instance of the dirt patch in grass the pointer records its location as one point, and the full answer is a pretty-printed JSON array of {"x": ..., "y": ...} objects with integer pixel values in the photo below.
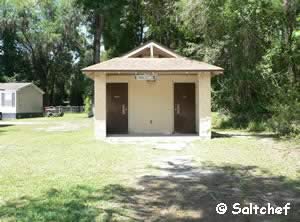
[{"x": 63, "y": 127}]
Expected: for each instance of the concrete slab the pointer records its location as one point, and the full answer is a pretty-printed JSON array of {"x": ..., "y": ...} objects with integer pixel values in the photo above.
[{"x": 151, "y": 139}]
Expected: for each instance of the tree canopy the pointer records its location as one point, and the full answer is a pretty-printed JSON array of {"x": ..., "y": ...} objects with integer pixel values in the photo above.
[{"x": 257, "y": 42}]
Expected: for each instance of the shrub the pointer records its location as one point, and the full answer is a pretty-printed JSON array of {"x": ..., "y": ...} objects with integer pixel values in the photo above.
[
  {"x": 88, "y": 104},
  {"x": 286, "y": 114},
  {"x": 220, "y": 120},
  {"x": 256, "y": 126},
  {"x": 286, "y": 120}
]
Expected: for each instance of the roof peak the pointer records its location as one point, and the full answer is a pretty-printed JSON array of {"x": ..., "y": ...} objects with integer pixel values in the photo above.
[{"x": 151, "y": 49}]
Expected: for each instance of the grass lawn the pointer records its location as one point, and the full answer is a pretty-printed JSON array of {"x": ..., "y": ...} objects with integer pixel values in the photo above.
[{"x": 54, "y": 170}]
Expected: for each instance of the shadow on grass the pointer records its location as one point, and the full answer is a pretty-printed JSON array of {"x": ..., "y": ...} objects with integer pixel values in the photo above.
[
  {"x": 191, "y": 193},
  {"x": 81, "y": 203},
  {"x": 3, "y": 130},
  {"x": 5, "y": 125},
  {"x": 187, "y": 193},
  {"x": 254, "y": 135}
]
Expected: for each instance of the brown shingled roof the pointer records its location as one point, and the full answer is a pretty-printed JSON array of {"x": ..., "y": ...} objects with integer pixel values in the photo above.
[{"x": 152, "y": 65}]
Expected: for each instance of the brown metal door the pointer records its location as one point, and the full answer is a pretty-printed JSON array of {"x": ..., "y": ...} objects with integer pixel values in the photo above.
[
  {"x": 184, "y": 108},
  {"x": 117, "y": 107}
]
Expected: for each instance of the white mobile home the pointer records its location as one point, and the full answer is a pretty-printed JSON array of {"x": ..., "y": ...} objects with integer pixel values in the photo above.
[{"x": 20, "y": 100}]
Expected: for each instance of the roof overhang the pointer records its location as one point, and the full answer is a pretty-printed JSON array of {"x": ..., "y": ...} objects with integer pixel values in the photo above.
[
  {"x": 144, "y": 60},
  {"x": 92, "y": 74}
]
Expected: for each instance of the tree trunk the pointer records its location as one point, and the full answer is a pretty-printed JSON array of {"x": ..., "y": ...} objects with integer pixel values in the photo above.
[
  {"x": 141, "y": 29},
  {"x": 289, "y": 7},
  {"x": 99, "y": 20}
]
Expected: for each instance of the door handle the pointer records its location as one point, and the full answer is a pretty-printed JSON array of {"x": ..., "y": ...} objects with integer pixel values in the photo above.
[
  {"x": 177, "y": 109},
  {"x": 124, "y": 109}
]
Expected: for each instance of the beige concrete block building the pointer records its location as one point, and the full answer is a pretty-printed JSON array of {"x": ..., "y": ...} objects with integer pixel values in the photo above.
[{"x": 152, "y": 91}]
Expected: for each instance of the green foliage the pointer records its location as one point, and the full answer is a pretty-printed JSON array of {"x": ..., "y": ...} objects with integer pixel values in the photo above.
[
  {"x": 88, "y": 105},
  {"x": 256, "y": 42},
  {"x": 42, "y": 43},
  {"x": 286, "y": 109},
  {"x": 125, "y": 31},
  {"x": 257, "y": 126},
  {"x": 223, "y": 120},
  {"x": 219, "y": 119},
  {"x": 161, "y": 21}
]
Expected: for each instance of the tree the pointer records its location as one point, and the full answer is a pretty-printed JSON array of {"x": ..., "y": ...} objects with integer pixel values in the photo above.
[
  {"x": 101, "y": 11},
  {"x": 162, "y": 22},
  {"x": 257, "y": 42},
  {"x": 12, "y": 64},
  {"x": 48, "y": 40},
  {"x": 126, "y": 31}
]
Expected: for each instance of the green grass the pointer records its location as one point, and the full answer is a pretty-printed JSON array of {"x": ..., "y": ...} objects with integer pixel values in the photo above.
[
  {"x": 33, "y": 160},
  {"x": 51, "y": 175},
  {"x": 278, "y": 158}
]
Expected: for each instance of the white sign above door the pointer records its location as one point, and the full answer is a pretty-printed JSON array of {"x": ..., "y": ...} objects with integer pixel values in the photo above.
[{"x": 146, "y": 76}]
